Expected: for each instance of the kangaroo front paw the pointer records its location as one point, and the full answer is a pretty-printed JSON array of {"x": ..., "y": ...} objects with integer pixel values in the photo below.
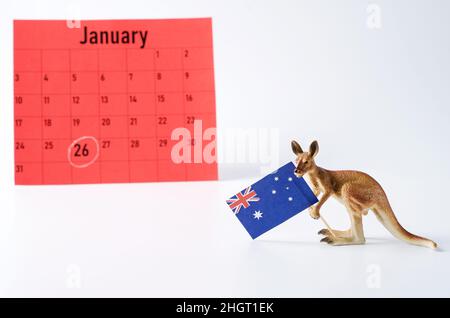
[{"x": 314, "y": 213}]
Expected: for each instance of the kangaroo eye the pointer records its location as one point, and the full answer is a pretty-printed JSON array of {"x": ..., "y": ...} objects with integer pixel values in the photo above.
[{"x": 306, "y": 162}]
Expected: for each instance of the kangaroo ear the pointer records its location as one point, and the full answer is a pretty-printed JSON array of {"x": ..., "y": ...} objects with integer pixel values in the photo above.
[
  {"x": 296, "y": 147},
  {"x": 314, "y": 148}
]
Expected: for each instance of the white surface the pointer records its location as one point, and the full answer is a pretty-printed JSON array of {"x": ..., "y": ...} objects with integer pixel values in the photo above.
[
  {"x": 177, "y": 240},
  {"x": 377, "y": 101}
]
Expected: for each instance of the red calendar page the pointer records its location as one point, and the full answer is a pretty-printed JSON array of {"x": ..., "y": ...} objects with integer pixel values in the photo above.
[{"x": 98, "y": 101}]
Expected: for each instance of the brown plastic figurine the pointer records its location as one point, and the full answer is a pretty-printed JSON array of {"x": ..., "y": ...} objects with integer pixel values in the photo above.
[{"x": 359, "y": 193}]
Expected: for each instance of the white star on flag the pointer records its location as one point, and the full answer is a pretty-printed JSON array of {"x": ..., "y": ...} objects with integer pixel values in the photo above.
[{"x": 257, "y": 215}]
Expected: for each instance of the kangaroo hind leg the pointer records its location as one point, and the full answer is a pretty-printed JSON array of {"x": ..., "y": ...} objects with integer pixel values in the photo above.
[
  {"x": 357, "y": 233},
  {"x": 356, "y": 202},
  {"x": 326, "y": 232}
]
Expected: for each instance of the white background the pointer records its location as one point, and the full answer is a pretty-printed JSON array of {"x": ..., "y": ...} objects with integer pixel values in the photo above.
[{"x": 377, "y": 101}]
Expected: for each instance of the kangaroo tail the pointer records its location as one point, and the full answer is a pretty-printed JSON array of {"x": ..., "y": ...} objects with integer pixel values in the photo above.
[{"x": 387, "y": 217}]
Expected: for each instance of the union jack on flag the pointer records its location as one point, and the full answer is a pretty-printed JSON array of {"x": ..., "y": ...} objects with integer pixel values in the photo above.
[{"x": 242, "y": 199}]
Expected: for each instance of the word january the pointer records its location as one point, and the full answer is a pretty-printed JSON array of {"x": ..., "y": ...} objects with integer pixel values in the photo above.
[{"x": 114, "y": 37}]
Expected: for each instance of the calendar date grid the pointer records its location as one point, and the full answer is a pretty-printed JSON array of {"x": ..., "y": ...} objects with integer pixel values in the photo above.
[{"x": 102, "y": 97}]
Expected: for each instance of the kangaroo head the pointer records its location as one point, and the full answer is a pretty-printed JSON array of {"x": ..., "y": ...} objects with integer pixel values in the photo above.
[{"x": 305, "y": 160}]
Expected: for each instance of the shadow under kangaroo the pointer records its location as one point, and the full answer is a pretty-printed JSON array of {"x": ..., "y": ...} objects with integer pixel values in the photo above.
[{"x": 358, "y": 192}]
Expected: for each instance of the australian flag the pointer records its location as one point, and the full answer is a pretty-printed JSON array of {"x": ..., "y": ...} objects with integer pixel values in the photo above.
[{"x": 271, "y": 201}]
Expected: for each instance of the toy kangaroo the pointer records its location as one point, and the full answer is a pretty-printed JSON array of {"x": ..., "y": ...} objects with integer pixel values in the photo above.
[{"x": 358, "y": 191}]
